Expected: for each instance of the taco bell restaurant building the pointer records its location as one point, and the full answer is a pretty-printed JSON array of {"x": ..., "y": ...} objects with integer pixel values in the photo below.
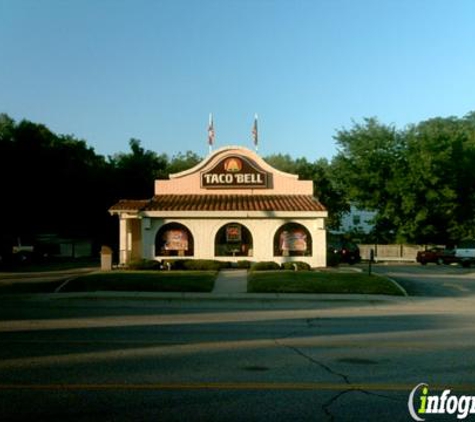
[{"x": 232, "y": 206}]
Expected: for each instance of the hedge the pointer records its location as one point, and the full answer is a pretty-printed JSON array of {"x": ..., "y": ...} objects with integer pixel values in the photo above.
[
  {"x": 194, "y": 264},
  {"x": 144, "y": 264},
  {"x": 301, "y": 266},
  {"x": 265, "y": 266}
]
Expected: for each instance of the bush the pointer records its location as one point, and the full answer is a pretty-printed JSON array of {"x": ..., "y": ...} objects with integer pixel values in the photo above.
[
  {"x": 179, "y": 264},
  {"x": 175, "y": 264},
  {"x": 265, "y": 266},
  {"x": 144, "y": 264},
  {"x": 301, "y": 266},
  {"x": 204, "y": 265},
  {"x": 244, "y": 264}
]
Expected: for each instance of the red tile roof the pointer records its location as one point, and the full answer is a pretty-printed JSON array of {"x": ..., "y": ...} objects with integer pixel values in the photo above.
[
  {"x": 130, "y": 205},
  {"x": 221, "y": 203}
]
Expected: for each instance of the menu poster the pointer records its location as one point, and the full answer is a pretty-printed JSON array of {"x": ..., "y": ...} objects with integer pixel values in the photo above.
[
  {"x": 233, "y": 233},
  {"x": 175, "y": 240},
  {"x": 293, "y": 240}
]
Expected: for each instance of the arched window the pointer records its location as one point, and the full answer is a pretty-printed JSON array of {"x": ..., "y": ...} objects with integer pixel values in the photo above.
[
  {"x": 292, "y": 239},
  {"x": 174, "y": 239},
  {"x": 233, "y": 239}
]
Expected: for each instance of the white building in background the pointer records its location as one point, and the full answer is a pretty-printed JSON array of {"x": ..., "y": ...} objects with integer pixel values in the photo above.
[
  {"x": 232, "y": 206},
  {"x": 358, "y": 220}
]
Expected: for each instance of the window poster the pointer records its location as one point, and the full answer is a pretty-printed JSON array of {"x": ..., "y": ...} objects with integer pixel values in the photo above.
[
  {"x": 293, "y": 240},
  {"x": 175, "y": 240},
  {"x": 233, "y": 233}
]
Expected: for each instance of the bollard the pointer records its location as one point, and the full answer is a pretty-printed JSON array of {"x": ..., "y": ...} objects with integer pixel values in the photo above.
[{"x": 371, "y": 259}]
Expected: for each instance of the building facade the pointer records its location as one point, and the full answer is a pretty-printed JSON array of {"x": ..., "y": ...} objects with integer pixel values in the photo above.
[
  {"x": 358, "y": 220},
  {"x": 232, "y": 206}
]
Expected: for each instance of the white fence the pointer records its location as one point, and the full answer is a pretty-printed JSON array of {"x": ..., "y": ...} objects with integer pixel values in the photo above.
[{"x": 391, "y": 252}]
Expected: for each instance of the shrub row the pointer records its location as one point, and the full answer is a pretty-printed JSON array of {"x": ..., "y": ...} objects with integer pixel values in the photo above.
[
  {"x": 273, "y": 266},
  {"x": 178, "y": 264},
  {"x": 213, "y": 265}
]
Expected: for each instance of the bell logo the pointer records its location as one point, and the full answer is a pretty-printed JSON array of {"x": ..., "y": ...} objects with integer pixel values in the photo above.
[{"x": 233, "y": 165}]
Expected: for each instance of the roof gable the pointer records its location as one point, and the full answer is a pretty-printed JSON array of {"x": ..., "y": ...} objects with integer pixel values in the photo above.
[{"x": 233, "y": 170}]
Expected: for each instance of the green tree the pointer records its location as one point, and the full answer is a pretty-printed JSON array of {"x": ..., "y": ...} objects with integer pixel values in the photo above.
[
  {"x": 52, "y": 183},
  {"x": 136, "y": 171},
  {"x": 439, "y": 190},
  {"x": 421, "y": 181},
  {"x": 181, "y": 162},
  {"x": 324, "y": 187},
  {"x": 368, "y": 167}
]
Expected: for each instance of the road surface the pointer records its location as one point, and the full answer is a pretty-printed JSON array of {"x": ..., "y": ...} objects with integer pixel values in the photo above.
[{"x": 329, "y": 360}]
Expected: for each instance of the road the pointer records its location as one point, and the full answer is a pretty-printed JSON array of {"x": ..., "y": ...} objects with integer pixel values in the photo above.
[
  {"x": 116, "y": 359},
  {"x": 38, "y": 282}
]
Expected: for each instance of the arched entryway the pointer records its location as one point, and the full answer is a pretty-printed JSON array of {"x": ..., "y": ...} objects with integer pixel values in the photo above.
[
  {"x": 233, "y": 239},
  {"x": 292, "y": 239},
  {"x": 174, "y": 239}
]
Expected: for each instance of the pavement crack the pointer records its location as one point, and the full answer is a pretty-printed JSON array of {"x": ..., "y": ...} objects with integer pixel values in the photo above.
[
  {"x": 289, "y": 335},
  {"x": 326, "y": 405},
  {"x": 332, "y": 400},
  {"x": 382, "y": 396},
  {"x": 315, "y": 361}
]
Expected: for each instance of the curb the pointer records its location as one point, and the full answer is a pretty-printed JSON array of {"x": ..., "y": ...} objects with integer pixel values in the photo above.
[
  {"x": 211, "y": 297},
  {"x": 62, "y": 285},
  {"x": 401, "y": 289}
]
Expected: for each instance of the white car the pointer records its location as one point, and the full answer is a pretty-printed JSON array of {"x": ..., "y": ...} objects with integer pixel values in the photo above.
[{"x": 465, "y": 252}]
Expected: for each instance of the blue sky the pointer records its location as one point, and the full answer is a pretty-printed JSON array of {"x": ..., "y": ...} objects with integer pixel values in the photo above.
[{"x": 109, "y": 70}]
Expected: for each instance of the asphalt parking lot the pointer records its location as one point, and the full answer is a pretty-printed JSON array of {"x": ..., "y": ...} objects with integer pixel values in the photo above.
[{"x": 431, "y": 280}]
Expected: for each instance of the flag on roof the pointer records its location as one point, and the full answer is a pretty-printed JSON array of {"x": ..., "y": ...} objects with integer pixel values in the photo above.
[{"x": 210, "y": 130}]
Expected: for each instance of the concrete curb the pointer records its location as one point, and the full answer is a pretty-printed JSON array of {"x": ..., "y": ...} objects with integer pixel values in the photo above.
[
  {"x": 210, "y": 297},
  {"x": 401, "y": 289},
  {"x": 62, "y": 285}
]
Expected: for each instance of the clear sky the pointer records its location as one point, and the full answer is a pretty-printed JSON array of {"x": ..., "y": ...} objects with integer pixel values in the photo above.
[{"x": 109, "y": 70}]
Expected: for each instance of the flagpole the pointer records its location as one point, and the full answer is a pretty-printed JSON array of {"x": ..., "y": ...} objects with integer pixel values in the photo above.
[{"x": 255, "y": 133}]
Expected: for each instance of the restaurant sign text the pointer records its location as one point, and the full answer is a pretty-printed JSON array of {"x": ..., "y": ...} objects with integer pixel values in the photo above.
[{"x": 235, "y": 172}]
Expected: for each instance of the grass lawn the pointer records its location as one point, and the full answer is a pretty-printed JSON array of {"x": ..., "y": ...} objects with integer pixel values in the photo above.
[
  {"x": 319, "y": 282},
  {"x": 144, "y": 281}
]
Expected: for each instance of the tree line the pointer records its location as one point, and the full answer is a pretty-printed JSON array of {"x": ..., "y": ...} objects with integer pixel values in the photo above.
[
  {"x": 57, "y": 184},
  {"x": 420, "y": 179}
]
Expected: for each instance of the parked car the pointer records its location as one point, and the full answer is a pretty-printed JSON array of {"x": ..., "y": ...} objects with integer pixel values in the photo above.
[
  {"x": 343, "y": 250},
  {"x": 465, "y": 252},
  {"x": 436, "y": 255}
]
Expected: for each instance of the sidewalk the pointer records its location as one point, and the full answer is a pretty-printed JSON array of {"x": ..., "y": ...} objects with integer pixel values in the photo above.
[{"x": 230, "y": 282}]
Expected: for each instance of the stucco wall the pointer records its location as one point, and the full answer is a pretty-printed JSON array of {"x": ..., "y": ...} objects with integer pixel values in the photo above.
[{"x": 262, "y": 230}]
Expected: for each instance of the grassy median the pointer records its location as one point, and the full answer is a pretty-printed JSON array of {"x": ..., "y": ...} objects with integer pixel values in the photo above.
[
  {"x": 144, "y": 281},
  {"x": 319, "y": 282}
]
